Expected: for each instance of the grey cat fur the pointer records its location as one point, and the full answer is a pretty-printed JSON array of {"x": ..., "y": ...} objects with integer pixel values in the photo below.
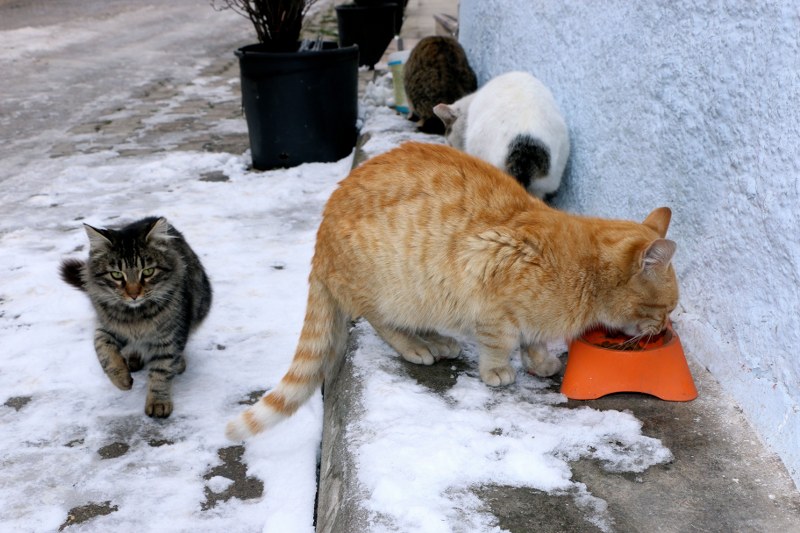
[{"x": 144, "y": 316}]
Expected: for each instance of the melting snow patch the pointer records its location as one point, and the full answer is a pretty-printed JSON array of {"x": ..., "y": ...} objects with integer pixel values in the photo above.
[{"x": 419, "y": 454}]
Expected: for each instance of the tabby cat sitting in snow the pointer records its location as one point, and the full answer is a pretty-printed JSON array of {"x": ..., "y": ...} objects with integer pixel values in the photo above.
[
  {"x": 149, "y": 291},
  {"x": 425, "y": 240}
]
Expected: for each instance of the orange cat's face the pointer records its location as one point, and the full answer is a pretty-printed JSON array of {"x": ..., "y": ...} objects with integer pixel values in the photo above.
[
  {"x": 649, "y": 287},
  {"x": 645, "y": 306}
]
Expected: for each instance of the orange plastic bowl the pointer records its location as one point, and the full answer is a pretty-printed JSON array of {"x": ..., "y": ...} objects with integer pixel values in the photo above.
[{"x": 601, "y": 362}]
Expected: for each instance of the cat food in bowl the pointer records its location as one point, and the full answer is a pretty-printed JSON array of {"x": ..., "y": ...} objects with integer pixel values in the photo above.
[
  {"x": 603, "y": 362},
  {"x": 614, "y": 340}
]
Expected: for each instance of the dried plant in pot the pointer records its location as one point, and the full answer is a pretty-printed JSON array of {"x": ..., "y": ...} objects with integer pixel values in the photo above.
[{"x": 300, "y": 97}]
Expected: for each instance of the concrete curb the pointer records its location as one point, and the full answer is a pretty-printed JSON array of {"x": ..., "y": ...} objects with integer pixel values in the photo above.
[{"x": 338, "y": 507}]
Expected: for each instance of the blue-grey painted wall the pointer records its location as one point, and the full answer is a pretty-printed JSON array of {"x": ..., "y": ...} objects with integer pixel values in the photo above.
[{"x": 694, "y": 105}]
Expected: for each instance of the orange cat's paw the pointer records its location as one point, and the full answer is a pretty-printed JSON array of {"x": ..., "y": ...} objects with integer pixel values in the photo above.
[
  {"x": 419, "y": 355},
  {"x": 499, "y": 376},
  {"x": 442, "y": 347},
  {"x": 538, "y": 361},
  {"x": 549, "y": 367}
]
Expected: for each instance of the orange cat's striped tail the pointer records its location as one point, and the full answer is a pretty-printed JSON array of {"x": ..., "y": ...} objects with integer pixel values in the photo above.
[{"x": 322, "y": 341}]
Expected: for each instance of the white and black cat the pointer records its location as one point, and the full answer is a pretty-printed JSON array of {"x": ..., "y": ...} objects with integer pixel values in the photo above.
[
  {"x": 149, "y": 291},
  {"x": 514, "y": 123}
]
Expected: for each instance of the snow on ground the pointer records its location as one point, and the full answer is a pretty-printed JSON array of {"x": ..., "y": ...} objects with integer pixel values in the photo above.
[
  {"x": 254, "y": 234},
  {"x": 420, "y": 457},
  {"x": 69, "y": 439}
]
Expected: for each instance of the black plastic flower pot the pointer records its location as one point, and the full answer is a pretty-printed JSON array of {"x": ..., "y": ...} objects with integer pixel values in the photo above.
[
  {"x": 399, "y": 15},
  {"x": 372, "y": 28},
  {"x": 300, "y": 107}
]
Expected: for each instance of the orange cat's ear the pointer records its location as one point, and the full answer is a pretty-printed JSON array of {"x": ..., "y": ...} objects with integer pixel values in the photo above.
[
  {"x": 659, "y": 220},
  {"x": 658, "y": 254}
]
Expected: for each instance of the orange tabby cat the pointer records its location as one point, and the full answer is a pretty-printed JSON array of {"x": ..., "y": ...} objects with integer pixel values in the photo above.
[{"x": 426, "y": 240}]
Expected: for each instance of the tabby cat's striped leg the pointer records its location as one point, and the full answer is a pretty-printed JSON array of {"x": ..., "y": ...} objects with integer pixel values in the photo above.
[
  {"x": 494, "y": 353},
  {"x": 107, "y": 348},
  {"x": 537, "y": 360},
  {"x": 159, "y": 388}
]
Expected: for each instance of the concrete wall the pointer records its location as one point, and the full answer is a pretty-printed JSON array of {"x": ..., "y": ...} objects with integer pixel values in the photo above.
[{"x": 694, "y": 105}]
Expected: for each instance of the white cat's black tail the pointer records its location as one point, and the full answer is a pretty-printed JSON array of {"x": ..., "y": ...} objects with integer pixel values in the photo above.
[
  {"x": 528, "y": 159},
  {"x": 323, "y": 340}
]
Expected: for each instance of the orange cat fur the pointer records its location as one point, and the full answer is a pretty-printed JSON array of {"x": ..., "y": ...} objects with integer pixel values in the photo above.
[{"x": 426, "y": 240}]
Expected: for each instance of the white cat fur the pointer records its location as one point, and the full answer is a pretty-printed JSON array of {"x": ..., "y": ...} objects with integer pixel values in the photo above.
[{"x": 485, "y": 123}]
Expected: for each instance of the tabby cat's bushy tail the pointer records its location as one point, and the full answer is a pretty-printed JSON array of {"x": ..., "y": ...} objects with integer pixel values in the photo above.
[
  {"x": 71, "y": 272},
  {"x": 322, "y": 341}
]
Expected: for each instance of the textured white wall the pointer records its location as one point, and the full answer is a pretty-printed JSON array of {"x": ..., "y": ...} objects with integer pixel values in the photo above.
[{"x": 694, "y": 105}]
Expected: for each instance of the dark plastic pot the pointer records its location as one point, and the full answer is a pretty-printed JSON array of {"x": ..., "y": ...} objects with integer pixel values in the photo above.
[
  {"x": 372, "y": 28},
  {"x": 300, "y": 107},
  {"x": 398, "y": 18}
]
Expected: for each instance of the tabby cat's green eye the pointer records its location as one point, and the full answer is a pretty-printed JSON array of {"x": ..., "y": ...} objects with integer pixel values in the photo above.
[
  {"x": 147, "y": 272},
  {"x": 117, "y": 275}
]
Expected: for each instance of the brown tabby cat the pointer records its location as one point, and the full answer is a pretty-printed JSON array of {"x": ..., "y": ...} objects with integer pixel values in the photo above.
[
  {"x": 437, "y": 72},
  {"x": 425, "y": 240}
]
